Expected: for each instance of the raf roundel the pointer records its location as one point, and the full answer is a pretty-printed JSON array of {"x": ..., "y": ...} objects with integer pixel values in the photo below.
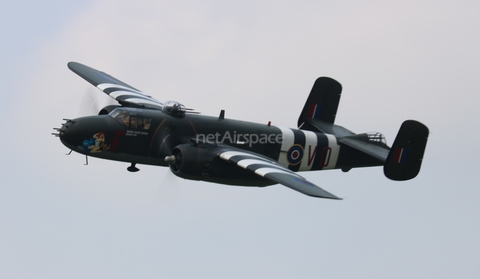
[{"x": 295, "y": 154}]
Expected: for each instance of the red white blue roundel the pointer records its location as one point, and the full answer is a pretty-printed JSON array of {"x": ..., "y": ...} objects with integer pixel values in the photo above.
[{"x": 295, "y": 154}]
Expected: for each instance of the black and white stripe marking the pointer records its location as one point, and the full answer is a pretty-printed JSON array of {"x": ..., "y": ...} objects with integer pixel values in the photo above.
[
  {"x": 257, "y": 164},
  {"x": 275, "y": 172},
  {"x": 317, "y": 150},
  {"x": 126, "y": 94}
]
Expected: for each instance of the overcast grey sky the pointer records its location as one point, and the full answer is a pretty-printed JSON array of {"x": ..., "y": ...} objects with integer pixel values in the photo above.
[{"x": 258, "y": 60}]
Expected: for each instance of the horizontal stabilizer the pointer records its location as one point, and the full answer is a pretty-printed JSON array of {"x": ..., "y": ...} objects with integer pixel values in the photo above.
[
  {"x": 326, "y": 128},
  {"x": 365, "y": 144},
  {"x": 406, "y": 155}
]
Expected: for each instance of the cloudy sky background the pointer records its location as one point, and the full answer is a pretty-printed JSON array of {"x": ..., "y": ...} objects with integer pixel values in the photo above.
[{"x": 258, "y": 60}]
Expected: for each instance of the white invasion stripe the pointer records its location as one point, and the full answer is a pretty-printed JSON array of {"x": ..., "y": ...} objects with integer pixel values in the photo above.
[
  {"x": 134, "y": 97},
  {"x": 288, "y": 139},
  {"x": 247, "y": 162},
  {"x": 143, "y": 101},
  {"x": 310, "y": 145},
  {"x": 116, "y": 94},
  {"x": 104, "y": 86},
  {"x": 244, "y": 163},
  {"x": 229, "y": 154},
  {"x": 332, "y": 143},
  {"x": 267, "y": 170}
]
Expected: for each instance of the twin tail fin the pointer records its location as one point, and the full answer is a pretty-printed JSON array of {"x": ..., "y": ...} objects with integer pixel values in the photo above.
[{"x": 406, "y": 154}]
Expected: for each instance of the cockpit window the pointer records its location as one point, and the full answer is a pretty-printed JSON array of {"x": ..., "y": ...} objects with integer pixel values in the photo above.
[{"x": 131, "y": 119}]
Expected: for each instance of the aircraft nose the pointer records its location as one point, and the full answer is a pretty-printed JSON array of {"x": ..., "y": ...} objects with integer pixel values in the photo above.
[
  {"x": 67, "y": 131},
  {"x": 74, "y": 132}
]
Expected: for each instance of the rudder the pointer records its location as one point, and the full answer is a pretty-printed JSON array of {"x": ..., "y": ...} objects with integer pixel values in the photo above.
[{"x": 405, "y": 157}]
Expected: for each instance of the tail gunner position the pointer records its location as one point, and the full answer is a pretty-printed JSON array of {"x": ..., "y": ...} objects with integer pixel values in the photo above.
[{"x": 142, "y": 130}]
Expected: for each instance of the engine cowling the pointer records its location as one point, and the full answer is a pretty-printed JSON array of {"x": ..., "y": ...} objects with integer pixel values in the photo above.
[
  {"x": 192, "y": 161},
  {"x": 108, "y": 109}
]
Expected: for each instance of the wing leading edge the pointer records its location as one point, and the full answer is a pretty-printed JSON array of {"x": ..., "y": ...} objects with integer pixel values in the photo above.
[
  {"x": 275, "y": 172},
  {"x": 123, "y": 93}
]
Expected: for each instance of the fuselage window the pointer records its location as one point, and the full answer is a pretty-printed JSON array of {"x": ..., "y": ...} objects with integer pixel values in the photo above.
[
  {"x": 121, "y": 115},
  {"x": 136, "y": 122},
  {"x": 147, "y": 122}
]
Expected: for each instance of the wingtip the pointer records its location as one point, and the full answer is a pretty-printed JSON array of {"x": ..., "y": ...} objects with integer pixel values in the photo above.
[
  {"x": 72, "y": 65},
  {"x": 323, "y": 195},
  {"x": 333, "y": 198}
]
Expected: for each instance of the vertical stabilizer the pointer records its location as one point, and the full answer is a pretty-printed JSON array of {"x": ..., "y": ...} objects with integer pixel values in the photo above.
[
  {"x": 322, "y": 103},
  {"x": 406, "y": 155}
]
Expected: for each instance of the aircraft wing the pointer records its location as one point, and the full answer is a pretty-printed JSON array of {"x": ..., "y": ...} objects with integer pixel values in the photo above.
[
  {"x": 123, "y": 93},
  {"x": 275, "y": 172}
]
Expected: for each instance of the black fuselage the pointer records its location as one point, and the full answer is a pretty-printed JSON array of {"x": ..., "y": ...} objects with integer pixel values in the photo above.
[{"x": 146, "y": 136}]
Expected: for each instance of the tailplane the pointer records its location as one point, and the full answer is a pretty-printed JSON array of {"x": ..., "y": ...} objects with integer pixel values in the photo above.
[{"x": 405, "y": 157}]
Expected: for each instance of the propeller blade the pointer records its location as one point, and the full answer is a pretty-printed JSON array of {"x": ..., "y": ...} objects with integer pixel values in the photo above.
[{"x": 92, "y": 102}]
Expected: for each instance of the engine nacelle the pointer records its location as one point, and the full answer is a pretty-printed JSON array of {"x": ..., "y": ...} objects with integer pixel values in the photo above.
[
  {"x": 192, "y": 161},
  {"x": 108, "y": 109},
  {"x": 200, "y": 162}
]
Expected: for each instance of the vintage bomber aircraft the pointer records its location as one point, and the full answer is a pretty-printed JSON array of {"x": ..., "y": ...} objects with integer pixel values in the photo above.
[{"x": 142, "y": 130}]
